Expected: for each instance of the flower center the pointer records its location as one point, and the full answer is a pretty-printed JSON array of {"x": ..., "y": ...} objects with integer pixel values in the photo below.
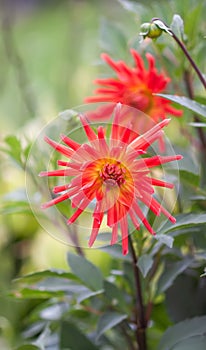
[
  {"x": 140, "y": 98},
  {"x": 113, "y": 174}
]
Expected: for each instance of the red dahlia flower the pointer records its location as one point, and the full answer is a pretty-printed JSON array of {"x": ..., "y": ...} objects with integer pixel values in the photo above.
[
  {"x": 113, "y": 175},
  {"x": 135, "y": 87}
]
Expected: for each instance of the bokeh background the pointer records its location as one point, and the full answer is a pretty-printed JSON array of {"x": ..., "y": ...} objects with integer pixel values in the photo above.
[{"x": 49, "y": 52}]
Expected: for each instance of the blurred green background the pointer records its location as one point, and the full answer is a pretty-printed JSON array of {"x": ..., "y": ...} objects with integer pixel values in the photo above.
[
  {"x": 49, "y": 57},
  {"x": 49, "y": 53}
]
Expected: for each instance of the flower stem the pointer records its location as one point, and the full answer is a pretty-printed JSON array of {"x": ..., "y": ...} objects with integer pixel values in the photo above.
[
  {"x": 167, "y": 29},
  {"x": 193, "y": 64},
  {"x": 140, "y": 312}
]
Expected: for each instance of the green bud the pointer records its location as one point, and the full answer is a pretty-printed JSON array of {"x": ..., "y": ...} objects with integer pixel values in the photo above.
[
  {"x": 144, "y": 29},
  {"x": 150, "y": 30}
]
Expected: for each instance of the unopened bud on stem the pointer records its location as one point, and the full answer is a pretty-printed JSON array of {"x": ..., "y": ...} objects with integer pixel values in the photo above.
[{"x": 150, "y": 30}]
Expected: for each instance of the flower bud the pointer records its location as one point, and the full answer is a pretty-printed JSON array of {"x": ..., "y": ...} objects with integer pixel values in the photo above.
[{"x": 150, "y": 30}]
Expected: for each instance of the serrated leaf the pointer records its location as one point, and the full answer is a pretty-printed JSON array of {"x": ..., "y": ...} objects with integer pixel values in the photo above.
[
  {"x": 171, "y": 272},
  {"x": 73, "y": 339},
  {"x": 145, "y": 263},
  {"x": 187, "y": 102},
  {"x": 177, "y": 26},
  {"x": 183, "y": 331},
  {"x": 109, "y": 320},
  {"x": 87, "y": 272}
]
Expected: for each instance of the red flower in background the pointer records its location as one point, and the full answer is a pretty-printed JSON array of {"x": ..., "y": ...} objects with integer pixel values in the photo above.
[
  {"x": 111, "y": 174},
  {"x": 135, "y": 87}
]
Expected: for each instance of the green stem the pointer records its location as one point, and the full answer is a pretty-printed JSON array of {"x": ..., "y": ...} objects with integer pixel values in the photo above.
[
  {"x": 183, "y": 48},
  {"x": 124, "y": 327},
  {"x": 193, "y": 64},
  {"x": 140, "y": 312}
]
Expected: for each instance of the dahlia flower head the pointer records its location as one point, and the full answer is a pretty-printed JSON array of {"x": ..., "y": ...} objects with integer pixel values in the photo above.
[
  {"x": 135, "y": 86},
  {"x": 112, "y": 171}
]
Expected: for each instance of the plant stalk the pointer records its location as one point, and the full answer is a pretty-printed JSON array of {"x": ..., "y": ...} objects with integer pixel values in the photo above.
[
  {"x": 184, "y": 49},
  {"x": 193, "y": 64},
  {"x": 140, "y": 319}
]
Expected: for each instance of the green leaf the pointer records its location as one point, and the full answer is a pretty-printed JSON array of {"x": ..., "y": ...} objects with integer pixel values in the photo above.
[
  {"x": 189, "y": 177},
  {"x": 115, "y": 295},
  {"x": 54, "y": 312},
  {"x": 187, "y": 102},
  {"x": 15, "y": 202},
  {"x": 86, "y": 294},
  {"x": 164, "y": 239},
  {"x": 14, "y": 148},
  {"x": 189, "y": 170},
  {"x": 15, "y": 208},
  {"x": 191, "y": 287},
  {"x": 203, "y": 274},
  {"x": 27, "y": 347},
  {"x": 73, "y": 339},
  {"x": 39, "y": 275},
  {"x": 171, "y": 272},
  {"x": 43, "y": 338},
  {"x": 197, "y": 343},
  {"x": 181, "y": 334},
  {"x": 34, "y": 329},
  {"x": 109, "y": 320},
  {"x": 116, "y": 252},
  {"x": 87, "y": 272},
  {"x": 145, "y": 263},
  {"x": 177, "y": 26},
  {"x": 184, "y": 221},
  {"x": 27, "y": 293}
]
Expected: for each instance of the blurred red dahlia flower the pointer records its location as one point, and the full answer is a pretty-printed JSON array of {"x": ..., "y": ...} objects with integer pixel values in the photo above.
[
  {"x": 135, "y": 87},
  {"x": 113, "y": 174}
]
